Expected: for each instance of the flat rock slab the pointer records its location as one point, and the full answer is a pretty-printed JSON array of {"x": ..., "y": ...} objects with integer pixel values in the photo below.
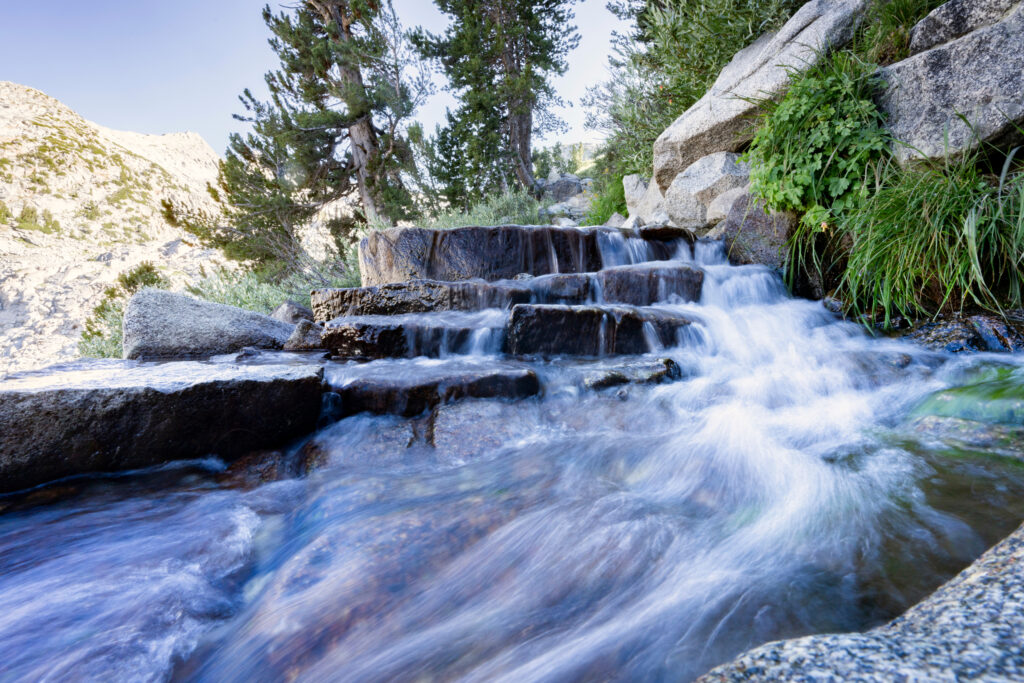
[
  {"x": 104, "y": 416},
  {"x": 416, "y": 296},
  {"x": 657, "y": 371},
  {"x": 409, "y": 388},
  {"x": 967, "y": 630},
  {"x": 637, "y": 285},
  {"x": 414, "y": 334},
  {"x": 554, "y": 330},
  {"x": 496, "y": 252}
]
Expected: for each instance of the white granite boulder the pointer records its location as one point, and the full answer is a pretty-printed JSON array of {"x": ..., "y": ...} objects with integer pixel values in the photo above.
[
  {"x": 720, "y": 120},
  {"x": 692, "y": 191}
]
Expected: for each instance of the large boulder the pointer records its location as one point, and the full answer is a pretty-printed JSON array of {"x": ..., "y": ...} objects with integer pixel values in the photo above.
[
  {"x": 692, "y": 191},
  {"x": 954, "y": 19},
  {"x": 950, "y": 99},
  {"x": 161, "y": 324},
  {"x": 721, "y": 119},
  {"x": 969, "y": 629},
  {"x": 564, "y": 187},
  {"x": 755, "y": 234},
  {"x": 104, "y": 416}
]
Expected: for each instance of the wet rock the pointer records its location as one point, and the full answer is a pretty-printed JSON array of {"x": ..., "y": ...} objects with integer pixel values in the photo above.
[
  {"x": 491, "y": 253},
  {"x": 258, "y": 468},
  {"x": 951, "y": 99},
  {"x": 307, "y": 336},
  {"x": 161, "y": 324},
  {"x": 114, "y": 415},
  {"x": 409, "y": 390},
  {"x": 954, "y": 19},
  {"x": 720, "y": 120},
  {"x": 416, "y": 296},
  {"x": 553, "y": 330},
  {"x": 406, "y": 336},
  {"x": 753, "y": 234},
  {"x": 982, "y": 332},
  {"x": 666, "y": 232},
  {"x": 291, "y": 312},
  {"x": 640, "y": 372},
  {"x": 638, "y": 285},
  {"x": 966, "y": 630}
]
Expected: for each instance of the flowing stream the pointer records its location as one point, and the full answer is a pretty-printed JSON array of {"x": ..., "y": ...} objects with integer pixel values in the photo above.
[{"x": 786, "y": 485}]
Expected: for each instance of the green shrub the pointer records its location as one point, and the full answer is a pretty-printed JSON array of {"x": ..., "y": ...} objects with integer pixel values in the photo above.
[
  {"x": 512, "y": 208},
  {"x": 31, "y": 219},
  {"x": 936, "y": 238},
  {"x": 610, "y": 197},
  {"x": 5, "y": 214},
  {"x": 814, "y": 151}
]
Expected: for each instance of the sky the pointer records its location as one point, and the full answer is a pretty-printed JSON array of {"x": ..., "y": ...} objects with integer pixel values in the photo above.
[{"x": 163, "y": 66}]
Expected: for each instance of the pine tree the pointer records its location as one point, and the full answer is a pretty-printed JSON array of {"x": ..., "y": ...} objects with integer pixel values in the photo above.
[
  {"x": 332, "y": 129},
  {"x": 499, "y": 57}
]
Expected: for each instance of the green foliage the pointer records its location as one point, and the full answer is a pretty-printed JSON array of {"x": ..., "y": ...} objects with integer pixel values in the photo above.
[
  {"x": 31, "y": 219},
  {"x": 499, "y": 57},
  {"x": 516, "y": 207},
  {"x": 610, "y": 198},
  {"x": 663, "y": 67},
  {"x": 885, "y": 31},
  {"x": 936, "y": 238},
  {"x": 90, "y": 211},
  {"x": 5, "y": 214},
  {"x": 102, "y": 337},
  {"x": 814, "y": 151}
]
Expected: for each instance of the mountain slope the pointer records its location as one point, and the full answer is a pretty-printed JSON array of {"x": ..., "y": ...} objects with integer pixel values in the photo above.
[{"x": 84, "y": 205}]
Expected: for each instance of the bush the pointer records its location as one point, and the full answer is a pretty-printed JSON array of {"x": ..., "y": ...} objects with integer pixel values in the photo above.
[
  {"x": 936, "y": 238},
  {"x": 814, "y": 150},
  {"x": 30, "y": 219},
  {"x": 610, "y": 197},
  {"x": 517, "y": 207},
  {"x": 5, "y": 214}
]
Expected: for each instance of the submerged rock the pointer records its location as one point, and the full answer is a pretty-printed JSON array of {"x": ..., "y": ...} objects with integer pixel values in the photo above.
[
  {"x": 161, "y": 324},
  {"x": 637, "y": 285},
  {"x": 969, "y": 629},
  {"x": 104, "y": 416},
  {"x": 416, "y": 296},
  {"x": 639, "y": 372},
  {"x": 553, "y": 330},
  {"x": 409, "y": 390}
]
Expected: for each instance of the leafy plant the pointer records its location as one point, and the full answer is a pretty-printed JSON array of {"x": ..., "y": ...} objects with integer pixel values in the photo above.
[
  {"x": 937, "y": 238},
  {"x": 814, "y": 150},
  {"x": 610, "y": 198}
]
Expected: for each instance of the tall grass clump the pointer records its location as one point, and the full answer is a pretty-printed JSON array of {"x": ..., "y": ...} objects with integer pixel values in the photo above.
[
  {"x": 516, "y": 207},
  {"x": 884, "y": 37},
  {"x": 609, "y": 198},
  {"x": 937, "y": 238}
]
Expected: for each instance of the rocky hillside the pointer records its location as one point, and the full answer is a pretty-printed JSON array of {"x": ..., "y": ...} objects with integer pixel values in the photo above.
[{"x": 80, "y": 204}]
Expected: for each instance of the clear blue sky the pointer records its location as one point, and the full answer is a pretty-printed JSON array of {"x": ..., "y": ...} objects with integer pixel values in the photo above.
[{"x": 160, "y": 66}]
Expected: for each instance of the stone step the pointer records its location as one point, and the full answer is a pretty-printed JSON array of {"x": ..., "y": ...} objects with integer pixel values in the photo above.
[
  {"x": 408, "y": 388},
  {"x": 415, "y": 334},
  {"x": 638, "y": 285},
  {"x": 417, "y": 296},
  {"x": 105, "y": 416},
  {"x": 500, "y": 252},
  {"x": 554, "y": 330}
]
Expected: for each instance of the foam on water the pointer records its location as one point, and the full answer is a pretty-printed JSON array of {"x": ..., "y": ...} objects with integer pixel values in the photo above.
[{"x": 644, "y": 533}]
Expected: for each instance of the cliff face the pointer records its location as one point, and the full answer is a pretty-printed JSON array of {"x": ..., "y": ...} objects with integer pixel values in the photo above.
[{"x": 84, "y": 205}]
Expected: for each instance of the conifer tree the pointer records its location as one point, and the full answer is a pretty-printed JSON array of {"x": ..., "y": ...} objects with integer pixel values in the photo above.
[
  {"x": 499, "y": 57},
  {"x": 332, "y": 129}
]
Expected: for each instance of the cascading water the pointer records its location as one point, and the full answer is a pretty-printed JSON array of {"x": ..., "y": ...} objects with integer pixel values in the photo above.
[{"x": 639, "y": 533}]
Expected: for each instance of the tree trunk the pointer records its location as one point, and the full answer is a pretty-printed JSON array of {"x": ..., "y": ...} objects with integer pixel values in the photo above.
[{"x": 361, "y": 134}]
